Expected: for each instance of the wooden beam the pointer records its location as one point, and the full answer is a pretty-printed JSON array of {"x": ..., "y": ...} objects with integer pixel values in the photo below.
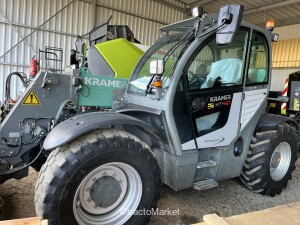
[
  {"x": 285, "y": 214},
  {"x": 27, "y": 221},
  {"x": 214, "y": 219},
  {"x": 280, "y": 215}
]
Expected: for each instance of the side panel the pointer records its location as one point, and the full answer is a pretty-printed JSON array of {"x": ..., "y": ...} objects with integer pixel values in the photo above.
[
  {"x": 177, "y": 171},
  {"x": 27, "y": 118},
  {"x": 252, "y": 101},
  {"x": 121, "y": 55},
  {"x": 99, "y": 91}
]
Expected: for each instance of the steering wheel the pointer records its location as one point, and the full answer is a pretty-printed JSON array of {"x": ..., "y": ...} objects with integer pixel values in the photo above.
[{"x": 195, "y": 82}]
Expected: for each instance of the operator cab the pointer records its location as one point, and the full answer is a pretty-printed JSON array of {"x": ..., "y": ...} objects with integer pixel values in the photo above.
[{"x": 214, "y": 78}]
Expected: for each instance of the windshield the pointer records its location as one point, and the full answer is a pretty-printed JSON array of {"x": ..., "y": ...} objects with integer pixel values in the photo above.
[{"x": 141, "y": 75}]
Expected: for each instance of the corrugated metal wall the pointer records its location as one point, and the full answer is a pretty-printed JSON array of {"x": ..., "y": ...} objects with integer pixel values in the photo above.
[
  {"x": 143, "y": 17},
  {"x": 278, "y": 77},
  {"x": 286, "y": 57},
  {"x": 288, "y": 32},
  {"x": 286, "y": 54}
]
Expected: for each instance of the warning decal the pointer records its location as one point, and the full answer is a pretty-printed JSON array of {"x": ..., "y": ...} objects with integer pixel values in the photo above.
[{"x": 31, "y": 99}]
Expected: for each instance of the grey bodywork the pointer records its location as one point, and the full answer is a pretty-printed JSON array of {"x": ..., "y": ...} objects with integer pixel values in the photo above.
[
  {"x": 180, "y": 168},
  {"x": 83, "y": 123},
  {"x": 26, "y": 126}
]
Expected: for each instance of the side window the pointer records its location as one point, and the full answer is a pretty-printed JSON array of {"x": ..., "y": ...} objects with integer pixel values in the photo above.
[
  {"x": 200, "y": 68},
  {"x": 258, "y": 70},
  {"x": 217, "y": 66}
]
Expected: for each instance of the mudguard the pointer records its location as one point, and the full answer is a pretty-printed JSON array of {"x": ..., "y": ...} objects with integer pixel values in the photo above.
[
  {"x": 76, "y": 126},
  {"x": 271, "y": 121}
]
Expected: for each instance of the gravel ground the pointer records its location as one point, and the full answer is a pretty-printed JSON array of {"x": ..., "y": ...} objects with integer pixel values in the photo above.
[{"x": 229, "y": 198}]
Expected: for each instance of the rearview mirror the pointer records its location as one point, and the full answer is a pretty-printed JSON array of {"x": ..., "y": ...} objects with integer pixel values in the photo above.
[
  {"x": 197, "y": 11},
  {"x": 230, "y": 18},
  {"x": 157, "y": 67}
]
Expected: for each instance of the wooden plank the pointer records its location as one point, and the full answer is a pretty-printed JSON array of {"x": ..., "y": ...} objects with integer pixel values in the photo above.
[
  {"x": 44, "y": 222},
  {"x": 203, "y": 223},
  {"x": 27, "y": 221},
  {"x": 280, "y": 215},
  {"x": 286, "y": 214},
  {"x": 214, "y": 219}
]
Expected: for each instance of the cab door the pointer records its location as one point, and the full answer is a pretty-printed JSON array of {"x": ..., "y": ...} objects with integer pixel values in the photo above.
[
  {"x": 256, "y": 79},
  {"x": 214, "y": 88}
]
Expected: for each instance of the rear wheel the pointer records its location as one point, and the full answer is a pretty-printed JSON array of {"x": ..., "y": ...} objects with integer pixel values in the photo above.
[
  {"x": 104, "y": 177},
  {"x": 271, "y": 160}
]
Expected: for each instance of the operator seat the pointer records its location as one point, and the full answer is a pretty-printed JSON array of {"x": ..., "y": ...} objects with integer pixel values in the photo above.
[{"x": 229, "y": 70}]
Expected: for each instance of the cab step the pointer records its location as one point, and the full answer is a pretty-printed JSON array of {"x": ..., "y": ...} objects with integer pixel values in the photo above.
[
  {"x": 205, "y": 164},
  {"x": 205, "y": 184}
]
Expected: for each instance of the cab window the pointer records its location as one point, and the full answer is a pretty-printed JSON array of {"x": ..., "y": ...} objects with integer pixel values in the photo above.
[
  {"x": 217, "y": 66},
  {"x": 258, "y": 69}
]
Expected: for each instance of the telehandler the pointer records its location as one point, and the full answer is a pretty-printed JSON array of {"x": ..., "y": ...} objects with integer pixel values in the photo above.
[{"x": 193, "y": 114}]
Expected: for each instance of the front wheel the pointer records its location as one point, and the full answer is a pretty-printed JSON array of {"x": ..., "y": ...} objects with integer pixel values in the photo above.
[{"x": 105, "y": 177}]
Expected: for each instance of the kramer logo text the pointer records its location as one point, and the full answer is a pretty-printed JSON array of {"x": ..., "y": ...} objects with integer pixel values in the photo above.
[
  {"x": 220, "y": 98},
  {"x": 103, "y": 82}
]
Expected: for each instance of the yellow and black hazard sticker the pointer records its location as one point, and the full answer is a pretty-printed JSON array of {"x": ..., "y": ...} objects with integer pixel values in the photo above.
[{"x": 31, "y": 99}]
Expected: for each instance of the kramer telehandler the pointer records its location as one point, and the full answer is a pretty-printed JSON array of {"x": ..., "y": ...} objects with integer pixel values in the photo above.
[{"x": 196, "y": 117}]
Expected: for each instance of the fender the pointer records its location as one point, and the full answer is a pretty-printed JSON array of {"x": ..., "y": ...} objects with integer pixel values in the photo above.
[
  {"x": 76, "y": 126},
  {"x": 271, "y": 121}
]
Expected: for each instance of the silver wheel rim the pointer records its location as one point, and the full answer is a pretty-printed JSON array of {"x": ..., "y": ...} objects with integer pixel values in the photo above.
[
  {"x": 92, "y": 203},
  {"x": 280, "y": 161}
]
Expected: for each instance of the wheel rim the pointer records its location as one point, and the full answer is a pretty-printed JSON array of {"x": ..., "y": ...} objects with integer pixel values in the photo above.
[
  {"x": 109, "y": 194},
  {"x": 280, "y": 161}
]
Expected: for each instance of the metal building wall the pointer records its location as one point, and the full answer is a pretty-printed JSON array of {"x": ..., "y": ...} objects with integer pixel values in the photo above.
[
  {"x": 25, "y": 16},
  {"x": 286, "y": 53},
  {"x": 145, "y": 30},
  {"x": 288, "y": 32},
  {"x": 286, "y": 57},
  {"x": 144, "y": 18},
  {"x": 278, "y": 77}
]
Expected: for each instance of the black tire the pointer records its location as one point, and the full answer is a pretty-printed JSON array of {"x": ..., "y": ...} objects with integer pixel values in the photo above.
[
  {"x": 256, "y": 173},
  {"x": 67, "y": 166}
]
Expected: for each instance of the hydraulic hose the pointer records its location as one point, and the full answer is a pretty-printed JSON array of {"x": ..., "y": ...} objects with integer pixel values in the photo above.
[{"x": 21, "y": 76}]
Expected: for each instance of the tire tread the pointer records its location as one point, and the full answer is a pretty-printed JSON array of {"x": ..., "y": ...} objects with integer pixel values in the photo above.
[
  {"x": 256, "y": 168},
  {"x": 64, "y": 159}
]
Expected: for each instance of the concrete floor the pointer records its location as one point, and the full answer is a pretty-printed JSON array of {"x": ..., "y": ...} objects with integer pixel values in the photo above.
[{"x": 229, "y": 198}]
